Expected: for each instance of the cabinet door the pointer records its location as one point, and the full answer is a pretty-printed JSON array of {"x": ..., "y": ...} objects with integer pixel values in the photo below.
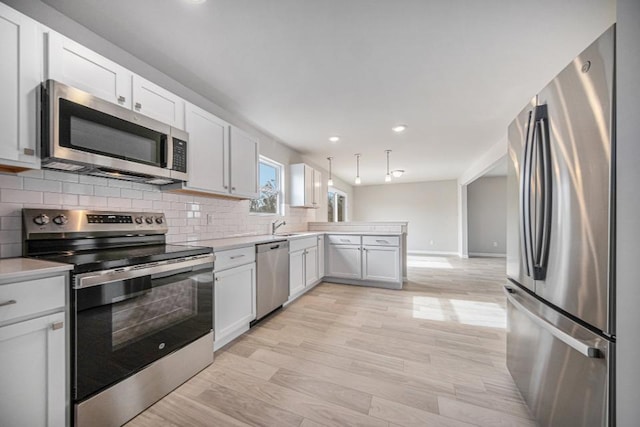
[
  {"x": 33, "y": 372},
  {"x": 311, "y": 266},
  {"x": 235, "y": 301},
  {"x": 308, "y": 186},
  {"x": 321, "y": 266},
  {"x": 75, "y": 65},
  {"x": 296, "y": 272},
  {"x": 381, "y": 263},
  {"x": 208, "y": 160},
  {"x": 19, "y": 85},
  {"x": 345, "y": 261},
  {"x": 317, "y": 187},
  {"x": 158, "y": 103},
  {"x": 244, "y": 164}
]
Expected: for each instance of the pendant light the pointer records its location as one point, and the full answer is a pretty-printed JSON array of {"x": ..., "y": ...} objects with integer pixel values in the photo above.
[
  {"x": 387, "y": 177},
  {"x": 330, "y": 182},
  {"x": 358, "y": 180}
]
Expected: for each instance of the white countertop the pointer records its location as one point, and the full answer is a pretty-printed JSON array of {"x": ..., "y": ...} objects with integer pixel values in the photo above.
[
  {"x": 12, "y": 269},
  {"x": 244, "y": 241}
]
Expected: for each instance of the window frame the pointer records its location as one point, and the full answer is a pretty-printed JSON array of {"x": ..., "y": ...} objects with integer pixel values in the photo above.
[
  {"x": 280, "y": 194},
  {"x": 337, "y": 192}
]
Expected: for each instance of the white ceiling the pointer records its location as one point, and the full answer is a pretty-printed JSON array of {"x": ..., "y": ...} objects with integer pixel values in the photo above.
[{"x": 455, "y": 71}]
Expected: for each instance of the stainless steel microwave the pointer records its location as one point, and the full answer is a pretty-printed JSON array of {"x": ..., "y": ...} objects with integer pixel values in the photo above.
[{"x": 85, "y": 134}]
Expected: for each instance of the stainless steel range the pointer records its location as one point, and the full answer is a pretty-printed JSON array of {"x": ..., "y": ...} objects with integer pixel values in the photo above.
[{"x": 141, "y": 310}]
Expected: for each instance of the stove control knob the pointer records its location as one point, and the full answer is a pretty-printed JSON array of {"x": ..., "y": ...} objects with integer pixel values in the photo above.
[
  {"x": 159, "y": 220},
  {"x": 41, "y": 219},
  {"x": 61, "y": 219},
  {"x": 149, "y": 220},
  {"x": 139, "y": 220}
]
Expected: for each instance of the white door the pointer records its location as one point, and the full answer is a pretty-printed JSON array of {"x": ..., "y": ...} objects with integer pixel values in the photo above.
[
  {"x": 33, "y": 372},
  {"x": 235, "y": 301},
  {"x": 19, "y": 85},
  {"x": 345, "y": 261},
  {"x": 381, "y": 263},
  {"x": 244, "y": 164},
  {"x": 296, "y": 272},
  {"x": 208, "y": 165},
  {"x": 321, "y": 266},
  {"x": 317, "y": 186},
  {"x": 75, "y": 65},
  {"x": 158, "y": 103},
  {"x": 311, "y": 266}
]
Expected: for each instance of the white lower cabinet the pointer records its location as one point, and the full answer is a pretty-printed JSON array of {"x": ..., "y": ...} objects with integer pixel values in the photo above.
[
  {"x": 381, "y": 263},
  {"x": 235, "y": 302},
  {"x": 345, "y": 261},
  {"x": 321, "y": 266},
  {"x": 365, "y": 260},
  {"x": 303, "y": 266},
  {"x": 296, "y": 272},
  {"x": 32, "y": 368},
  {"x": 33, "y": 345}
]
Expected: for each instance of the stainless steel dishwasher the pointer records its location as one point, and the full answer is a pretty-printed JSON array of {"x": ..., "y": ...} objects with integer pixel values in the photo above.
[{"x": 273, "y": 277}]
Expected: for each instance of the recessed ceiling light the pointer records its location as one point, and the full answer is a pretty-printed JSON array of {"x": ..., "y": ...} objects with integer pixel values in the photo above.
[
  {"x": 399, "y": 128},
  {"x": 334, "y": 139}
]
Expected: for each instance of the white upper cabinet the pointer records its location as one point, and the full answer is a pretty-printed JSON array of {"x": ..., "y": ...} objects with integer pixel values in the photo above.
[
  {"x": 157, "y": 103},
  {"x": 317, "y": 188},
  {"x": 244, "y": 157},
  {"x": 304, "y": 191},
  {"x": 19, "y": 84},
  {"x": 75, "y": 65},
  {"x": 208, "y": 151}
]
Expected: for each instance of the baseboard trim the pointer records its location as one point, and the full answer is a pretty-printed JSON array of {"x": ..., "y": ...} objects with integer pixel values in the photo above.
[
  {"x": 433, "y": 253},
  {"x": 487, "y": 255}
]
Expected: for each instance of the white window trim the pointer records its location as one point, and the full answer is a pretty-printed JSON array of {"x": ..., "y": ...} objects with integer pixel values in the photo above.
[
  {"x": 281, "y": 194},
  {"x": 335, "y": 204}
]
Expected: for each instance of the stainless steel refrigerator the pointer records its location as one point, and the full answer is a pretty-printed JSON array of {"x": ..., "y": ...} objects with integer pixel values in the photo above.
[{"x": 560, "y": 291}]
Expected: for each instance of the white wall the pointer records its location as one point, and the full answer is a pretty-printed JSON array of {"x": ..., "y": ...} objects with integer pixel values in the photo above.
[
  {"x": 487, "y": 215},
  {"x": 627, "y": 217},
  {"x": 431, "y": 209}
]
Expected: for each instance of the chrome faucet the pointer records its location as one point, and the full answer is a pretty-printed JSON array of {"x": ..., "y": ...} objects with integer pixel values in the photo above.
[{"x": 275, "y": 226}]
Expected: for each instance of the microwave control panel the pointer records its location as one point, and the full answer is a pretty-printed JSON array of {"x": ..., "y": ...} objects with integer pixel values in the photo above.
[{"x": 179, "y": 155}]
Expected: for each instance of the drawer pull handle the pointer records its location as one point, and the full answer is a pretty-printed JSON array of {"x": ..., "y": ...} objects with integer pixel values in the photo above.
[
  {"x": 10, "y": 302},
  {"x": 382, "y": 241},
  {"x": 57, "y": 325},
  {"x": 237, "y": 256},
  {"x": 345, "y": 240}
]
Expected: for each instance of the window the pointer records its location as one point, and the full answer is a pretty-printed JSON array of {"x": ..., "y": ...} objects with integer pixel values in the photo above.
[
  {"x": 270, "y": 175},
  {"x": 337, "y": 205}
]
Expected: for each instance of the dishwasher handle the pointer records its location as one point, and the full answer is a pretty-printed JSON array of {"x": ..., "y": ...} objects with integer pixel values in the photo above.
[{"x": 272, "y": 246}]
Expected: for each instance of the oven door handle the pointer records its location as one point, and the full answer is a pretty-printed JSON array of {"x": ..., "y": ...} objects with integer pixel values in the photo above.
[{"x": 93, "y": 278}]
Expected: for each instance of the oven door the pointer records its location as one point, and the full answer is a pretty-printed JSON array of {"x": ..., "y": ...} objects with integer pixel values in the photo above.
[{"x": 126, "y": 319}]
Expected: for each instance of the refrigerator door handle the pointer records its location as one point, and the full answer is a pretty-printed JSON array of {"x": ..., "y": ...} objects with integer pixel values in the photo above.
[
  {"x": 581, "y": 347},
  {"x": 543, "y": 224},
  {"x": 525, "y": 198}
]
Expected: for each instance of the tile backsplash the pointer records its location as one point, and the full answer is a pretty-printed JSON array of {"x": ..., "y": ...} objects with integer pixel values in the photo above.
[{"x": 189, "y": 217}]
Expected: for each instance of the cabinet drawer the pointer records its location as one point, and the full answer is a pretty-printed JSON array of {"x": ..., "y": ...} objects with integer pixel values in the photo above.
[
  {"x": 344, "y": 239},
  {"x": 381, "y": 240},
  {"x": 299, "y": 244},
  {"x": 234, "y": 257},
  {"x": 31, "y": 297}
]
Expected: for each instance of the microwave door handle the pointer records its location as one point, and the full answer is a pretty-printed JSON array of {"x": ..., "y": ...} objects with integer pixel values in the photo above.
[
  {"x": 525, "y": 198},
  {"x": 167, "y": 143}
]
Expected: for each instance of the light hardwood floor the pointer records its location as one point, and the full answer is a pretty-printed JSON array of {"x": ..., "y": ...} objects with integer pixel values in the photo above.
[{"x": 432, "y": 354}]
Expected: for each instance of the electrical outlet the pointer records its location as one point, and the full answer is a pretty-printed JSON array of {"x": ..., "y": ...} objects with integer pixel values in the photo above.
[
  {"x": 495, "y": 244},
  {"x": 431, "y": 242},
  {"x": 209, "y": 219}
]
